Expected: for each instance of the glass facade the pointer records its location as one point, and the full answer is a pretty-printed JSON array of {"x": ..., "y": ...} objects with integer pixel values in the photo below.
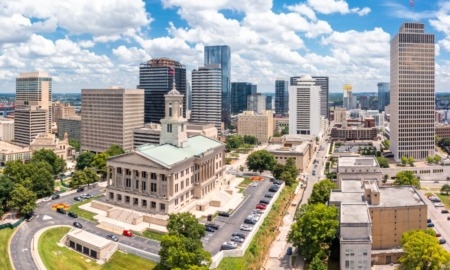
[
  {"x": 156, "y": 78},
  {"x": 239, "y": 95},
  {"x": 281, "y": 97},
  {"x": 384, "y": 95},
  {"x": 221, "y": 54}
]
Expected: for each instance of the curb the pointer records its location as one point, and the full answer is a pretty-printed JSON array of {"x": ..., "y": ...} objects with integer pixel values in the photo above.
[
  {"x": 34, "y": 246},
  {"x": 9, "y": 245}
]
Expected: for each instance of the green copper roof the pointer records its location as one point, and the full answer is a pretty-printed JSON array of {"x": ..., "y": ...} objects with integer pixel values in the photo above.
[{"x": 168, "y": 154}]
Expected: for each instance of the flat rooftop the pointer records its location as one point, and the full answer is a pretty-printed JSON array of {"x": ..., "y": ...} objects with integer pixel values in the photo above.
[
  {"x": 9, "y": 148},
  {"x": 354, "y": 213},
  {"x": 396, "y": 196},
  {"x": 357, "y": 162},
  {"x": 279, "y": 148},
  {"x": 353, "y": 185},
  {"x": 346, "y": 197},
  {"x": 90, "y": 238}
]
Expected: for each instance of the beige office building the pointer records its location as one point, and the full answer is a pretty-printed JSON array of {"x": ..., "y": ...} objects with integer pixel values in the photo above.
[
  {"x": 255, "y": 124},
  {"x": 33, "y": 98},
  {"x": 412, "y": 92},
  {"x": 109, "y": 117},
  {"x": 62, "y": 110},
  {"x": 6, "y": 129}
]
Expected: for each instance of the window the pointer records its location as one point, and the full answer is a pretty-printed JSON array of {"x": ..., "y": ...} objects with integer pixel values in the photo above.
[
  {"x": 153, "y": 176},
  {"x": 176, "y": 201},
  {"x": 153, "y": 205},
  {"x": 137, "y": 185},
  {"x": 153, "y": 187},
  {"x": 144, "y": 186},
  {"x": 144, "y": 174},
  {"x": 86, "y": 250},
  {"x": 169, "y": 128},
  {"x": 93, "y": 254},
  {"x": 162, "y": 207},
  {"x": 176, "y": 187},
  {"x": 72, "y": 244}
]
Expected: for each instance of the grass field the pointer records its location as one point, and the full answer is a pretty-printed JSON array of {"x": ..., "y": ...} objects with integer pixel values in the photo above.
[
  {"x": 444, "y": 198},
  {"x": 151, "y": 235},
  {"x": 55, "y": 257},
  {"x": 5, "y": 234},
  {"x": 245, "y": 183},
  {"x": 83, "y": 213}
]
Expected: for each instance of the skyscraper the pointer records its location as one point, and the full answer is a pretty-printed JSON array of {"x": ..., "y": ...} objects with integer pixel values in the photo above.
[
  {"x": 239, "y": 95},
  {"x": 256, "y": 102},
  {"x": 281, "y": 96},
  {"x": 156, "y": 78},
  {"x": 384, "y": 97},
  {"x": 349, "y": 101},
  {"x": 323, "y": 82},
  {"x": 412, "y": 92},
  {"x": 33, "y": 113},
  {"x": 304, "y": 107},
  {"x": 207, "y": 95},
  {"x": 221, "y": 55}
]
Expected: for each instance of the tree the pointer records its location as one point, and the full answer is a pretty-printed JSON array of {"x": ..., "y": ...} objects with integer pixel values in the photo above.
[
  {"x": 407, "y": 178},
  {"x": 404, "y": 160},
  {"x": 182, "y": 248},
  {"x": 445, "y": 189},
  {"x": 285, "y": 130},
  {"x": 287, "y": 178},
  {"x": 91, "y": 175},
  {"x": 42, "y": 180},
  {"x": 78, "y": 179},
  {"x": 75, "y": 144},
  {"x": 6, "y": 186},
  {"x": 422, "y": 251},
  {"x": 115, "y": 150},
  {"x": 15, "y": 170},
  {"x": 84, "y": 160},
  {"x": 277, "y": 170},
  {"x": 437, "y": 138},
  {"x": 321, "y": 192},
  {"x": 22, "y": 199},
  {"x": 385, "y": 178},
  {"x": 384, "y": 163},
  {"x": 315, "y": 229},
  {"x": 291, "y": 167},
  {"x": 429, "y": 159},
  {"x": 99, "y": 163},
  {"x": 260, "y": 161},
  {"x": 58, "y": 164},
  {"x": 387, "y": 143},
  {"x": 317, "y": 264},
  {"x": 248, "y": 139},
  {"x": 411, "y": 161},
  {"x": 437, "y": 158},
  {"x": 233, "y": 142}
]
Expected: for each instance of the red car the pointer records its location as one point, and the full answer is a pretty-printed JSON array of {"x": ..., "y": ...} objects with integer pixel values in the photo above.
[
  {"x": 438, "y": 235},
  {"x": 127, "y": 233},
  {"x": 261, "y": 206}
]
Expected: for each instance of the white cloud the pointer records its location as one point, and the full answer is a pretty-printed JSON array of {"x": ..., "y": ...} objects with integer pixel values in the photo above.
[
  {"x": 336, "y": 6},
  {"x": 131, "y": 55},
  {"x": 304, "y": 10}
]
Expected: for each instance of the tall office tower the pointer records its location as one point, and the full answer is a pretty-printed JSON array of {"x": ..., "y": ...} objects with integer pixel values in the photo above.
[
  {"x": 33, "y": 98},
  {"x": 221, "y": 55},
  {"x": 109, "y": 117},
  {"x": 256, "y": 103},
  {"x": 323, "y": 82},
  {"x": 207, "y": 96},
  {"x": 349, "y": 101},
  {"x": 304, "y": 107},
  {"x": 363, "y": 102},
  {"x": 412, "y": 92},
  {"x": 384, "y": 96},
  {"x": 156, "y": 78},
  {"x": 189, "y": 96},
  {"x": 239, "y": 95},
  {"x": 269, "y": 101},
  {"x": 281, "y": 96}
]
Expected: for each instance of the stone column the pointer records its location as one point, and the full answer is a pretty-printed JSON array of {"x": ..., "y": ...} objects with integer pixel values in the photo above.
[
  {"x": 140, "y": 181},
  {"x": 108, "y": 177},
  {"x": 170, "y": 184},
  {"x": 159, "y": 185},
  {"x": 123, "y": 177},
  {"x": 132, "y": 181}
]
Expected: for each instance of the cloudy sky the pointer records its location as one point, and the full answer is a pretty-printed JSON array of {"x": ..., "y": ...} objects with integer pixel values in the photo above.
[{"x": 99, "y": 43}]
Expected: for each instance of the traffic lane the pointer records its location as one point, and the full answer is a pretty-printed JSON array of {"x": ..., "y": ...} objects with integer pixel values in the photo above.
[
  {"x": 69, "y": 199},
  {"x": 441, "y": 224},
  {"x": 233, "y": 223}
]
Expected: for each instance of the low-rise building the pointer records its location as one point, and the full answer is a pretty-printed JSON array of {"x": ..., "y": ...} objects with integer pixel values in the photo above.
[
  {"x": 280, "y": 123},
  {"x": 90, "y": 244},
  {"x": 443, "y": 131},
  {"x": 259, "y": 125},
  {"x": 12, "y": 152},
  {"x": 339, "y": 132},
  {"x": 298, "y": 147},
  {"x": 49, "y": 141}
]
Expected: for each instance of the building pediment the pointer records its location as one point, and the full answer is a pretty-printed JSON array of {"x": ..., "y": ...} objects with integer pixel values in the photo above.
[{"x": 136, "y": 159}]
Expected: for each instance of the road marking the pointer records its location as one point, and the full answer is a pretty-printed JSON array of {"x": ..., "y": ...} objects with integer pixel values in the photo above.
[{"x": 25, "y": 249}]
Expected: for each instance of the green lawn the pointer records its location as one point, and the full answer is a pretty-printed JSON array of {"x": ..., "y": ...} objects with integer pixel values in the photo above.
[
  {"x": 246, "y": 182},
  {"x": 151, "y": 235},
  {"x": 232, "y": 263},
  {"x": 56, "y": 257},
  {"x": 83, "y": 213},
  {"x": 5, "y": 234},
  {"x": 444, "y": 198}
]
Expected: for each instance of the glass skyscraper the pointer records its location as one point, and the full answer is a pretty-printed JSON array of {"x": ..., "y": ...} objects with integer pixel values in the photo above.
[
  {"x": 281, "y": 97},
  {"x": 221, "y": 54},
  {"x": 156, "y": 78},
  {"x": 384, "y": 95},
  {"x": 239, "y": 95}
]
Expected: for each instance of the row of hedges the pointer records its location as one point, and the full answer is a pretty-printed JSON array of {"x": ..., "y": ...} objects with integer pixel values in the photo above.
[{"x": 258, "y": 249}]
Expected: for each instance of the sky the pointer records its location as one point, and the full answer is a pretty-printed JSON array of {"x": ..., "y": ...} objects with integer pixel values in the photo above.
[{"x": 100, "y": 43}]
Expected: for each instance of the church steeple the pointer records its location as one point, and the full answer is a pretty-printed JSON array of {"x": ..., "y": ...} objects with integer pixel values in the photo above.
[{"x": 173, "y": 125}]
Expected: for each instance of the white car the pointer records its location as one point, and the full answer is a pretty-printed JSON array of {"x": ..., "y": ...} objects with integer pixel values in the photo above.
[
  {"x": 246, "y": 227},
  {"x": 237, "y": 239},
  {"x": 254, "y": 184},
  {"x": 47, "y": 199},
  {"x": 438, "y": 205}
]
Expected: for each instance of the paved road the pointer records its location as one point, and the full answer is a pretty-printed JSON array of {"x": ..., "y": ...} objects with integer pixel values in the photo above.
[
  {"x": 45, "y": 216},
  {"x": 232, "y": 224}
]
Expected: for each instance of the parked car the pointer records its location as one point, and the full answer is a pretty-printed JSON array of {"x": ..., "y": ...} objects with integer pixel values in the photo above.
[
  {"x": 224, "y": 214},
  {"x": 247, "y": 228},
  {"x": 254, "y": 184},
  {"x": 261, "y": 206},
  {"x": 274, "y": 188},
  {"x": 212, "y": 225},
  {"x": 268, "y": 195},
  {"x": 289, "y": 251},
  {"x": 438, "y": 205},
  {"x": 127, "y": 233},
  {"x": 428, "y": 220},
  {"x": 438, "y": 235},
  {"x": 78, "y": 199},
  {"x": 250, "y": 221},
  {"x": 264, "y": 201},
  {"x": 112, "y": 237},
  {"x": 255, "y": 217},
  {"x": 241, "y": 235},
  {"x": 445, "y": 211},
  {"x": 77, "y": 225},
  {"x": 258, "y": 211},
  {"x": 81, "y": 189},
  {"x": 55, "y": 197},
  {"x": 278, "y": 182},
  {"x": 442, "y": 241},
  {"x": 29, "y": 217},
  {"x": 209, "y": 229},
  {"x": 237, "y": 239},
  {"x": 47, "y": 199},
  {"x": 448, "y": 218},
  {"x": 228, "y": 245},
  {"x": 430, "y": 225},
  {"x": 61, "y": 210},
  {"x": 85, "y": 196},
  {"x": 72, "y": 214},
  {"x": 209, "y": 217}
]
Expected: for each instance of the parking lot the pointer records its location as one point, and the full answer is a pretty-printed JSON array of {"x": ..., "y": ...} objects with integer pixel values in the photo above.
[
  {"x": 232, "y": 224},
  {"x": 440, "y": 221}
]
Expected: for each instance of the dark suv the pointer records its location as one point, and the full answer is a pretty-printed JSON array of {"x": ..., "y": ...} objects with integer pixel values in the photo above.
[
  {"x": 264, "y": 201},
  {"x": 212, "y": 225},
  {"x": 61, "y": 210},
  {"x": 224, "y": 214}
]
